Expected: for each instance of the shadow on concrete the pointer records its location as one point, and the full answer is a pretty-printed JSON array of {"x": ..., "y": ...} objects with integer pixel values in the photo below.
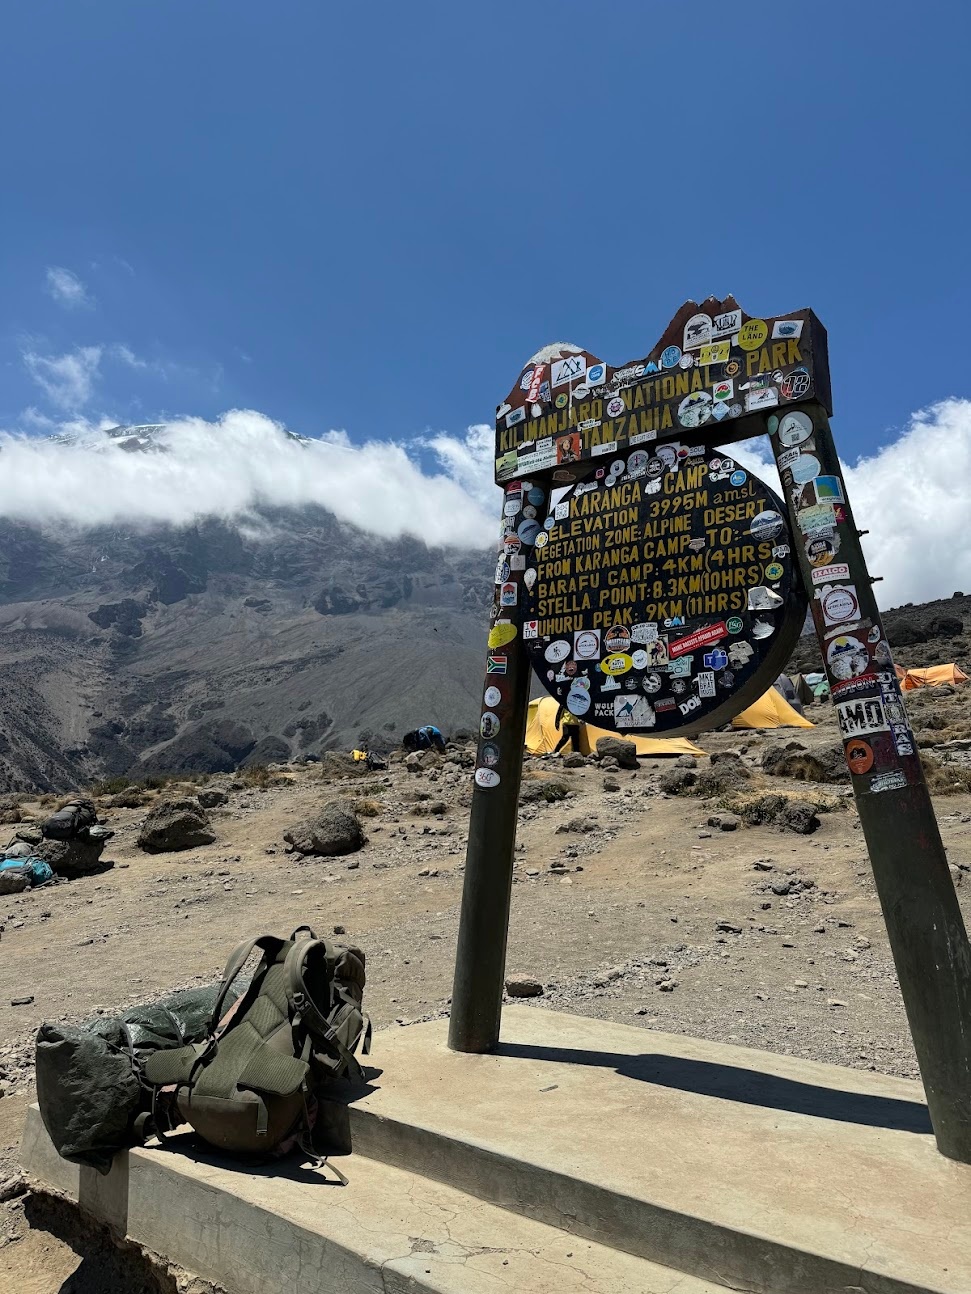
[{"x": 747, "y": 1086}]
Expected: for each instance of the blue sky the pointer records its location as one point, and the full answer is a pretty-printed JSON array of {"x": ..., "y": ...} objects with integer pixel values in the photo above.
[{"x": 367, "y": 217}]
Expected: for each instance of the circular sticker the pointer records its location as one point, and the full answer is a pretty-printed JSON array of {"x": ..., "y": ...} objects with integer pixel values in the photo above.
[
  {"x": 795, "y": 428},
  {"x": 679, "y": 686},
  {"x": 486, "y": 777},
  {"x": 492, "y": 696},
  {"x": 839, "y": 605},
  {"x": 569, "y": 668},
  {"x": 488, "y": 724},
  {"x": 511, "y": 506},
  {"x": 536, "y": 495},
  {"x": 617, "y": 639},
  {"x": 738, "y": 478},
  {"x": 596, "y": 374},
  {"x": 774, "y": 571},
  {"x": 557, "y": 651},
  {"x": 512, "y": 542},
  {"x": 637, "y": 461},
  {"x": 655, "y": 467},
  {"x": 695, "y": 409},
  {"x": 562, "y": 400},
  {"x": 765, "y": 526},
  {"x": 805, "y": 469},
  {"x": 735, "y": 625},
  {"x": 528, "y": 530},
  {"x": 578, "y": 701},
  {"x": 732, "y": 368},
  {"x": 502, "y": 572},
  {"x": 526, "y": 381},
  {"x": 617, "y": 467},
  {"x": 618, "y": 664},
  {"x": 582, "y": 682},
  {"x": 501, "y": 634},
  {"x": 848, "y": 657},
  {"x": 751, "y": 335},
  {"x": 529, "y": 512},
  {"x": 859, "y": 756},
  {"x": 586, "y": 645},
  {"x": 670, "y": 356},
  {"x": 614, "y": 407},
  {"x": 489, "y": 754},
  {"x": 542, "y": 539},
  {"x": 686, "y": 361},
  {"x": 639, "y": 658},
  {"x": 651, "y": 683}
]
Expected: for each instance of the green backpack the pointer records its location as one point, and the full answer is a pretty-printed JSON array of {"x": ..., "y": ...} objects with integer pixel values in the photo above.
[{"x": 250, "y": 1087}]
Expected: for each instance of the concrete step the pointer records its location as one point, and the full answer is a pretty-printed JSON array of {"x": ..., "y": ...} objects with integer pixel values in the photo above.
[
  {"x": 762, "y": 1172},
  {"x": 389, "y": 1231}
]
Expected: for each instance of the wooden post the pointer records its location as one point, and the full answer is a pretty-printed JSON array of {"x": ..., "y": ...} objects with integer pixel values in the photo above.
[
  {"x": 927, "y": 934},
  {"x": 480, "y": 958}
]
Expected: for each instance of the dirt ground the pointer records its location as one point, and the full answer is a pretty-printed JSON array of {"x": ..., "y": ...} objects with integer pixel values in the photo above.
[{"x": 654, "y": 918}]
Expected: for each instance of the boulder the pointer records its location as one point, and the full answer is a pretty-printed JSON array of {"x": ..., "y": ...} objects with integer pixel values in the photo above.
[
  {"x": 827, "y": 764},
  {"x": 574, "y": 760},
  {"x": 946, "y": 627},
  {"x": 725, "y": 821},
  {"x": 523, "y": 986},
  {"x": 680, "y": 781},
  {"x": 10, "y": 883},
  {"x": 72, "y": 858},
  {"x": 334, "y": 830},
  {"x": 212, "y": 798},
  {"x": 175, "y": 824},
  {"x": 625, "y": 752}
]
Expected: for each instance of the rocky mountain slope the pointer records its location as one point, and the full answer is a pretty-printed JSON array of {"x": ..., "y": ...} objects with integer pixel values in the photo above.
[{"x": 207, "y": 647}]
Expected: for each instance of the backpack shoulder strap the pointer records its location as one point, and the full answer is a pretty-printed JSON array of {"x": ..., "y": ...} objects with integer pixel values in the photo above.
[{"x": 237, "y": 960}]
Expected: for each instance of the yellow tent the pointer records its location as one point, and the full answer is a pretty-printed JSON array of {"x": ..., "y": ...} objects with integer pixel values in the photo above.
[
  {"x": 934, "y": 676},
  {"x": 542, "y": 734},
  {"x": 771, "y": 711}
]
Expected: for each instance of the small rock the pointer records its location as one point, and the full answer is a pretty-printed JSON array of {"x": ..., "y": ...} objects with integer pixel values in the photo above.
[
  {"x": 763, "y": 865},
  {"x": 339, "y": 930},
  {"x": 611, "y": 784},
  {"x": 725, "y": 821},
  {"x": 801, "y": 983},
  {"x": 668, "y": 985},
  {"x": 834, "y": 1002},
  {"x": 22, "y": 1001},
  {"x": 728, "y": 927},
  {"x": 523, "y": 986}
]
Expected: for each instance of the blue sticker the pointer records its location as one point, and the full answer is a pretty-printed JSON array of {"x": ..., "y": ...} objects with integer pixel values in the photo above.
[
  {"x": 738, "y": 478},
  {"x": 716, "y": 659},
  {"x": 596, "y": 373},
  {"x": 536, "y": 495},
  {"x": 670, "y": 356},
  {"x": 528, "y": 530}
]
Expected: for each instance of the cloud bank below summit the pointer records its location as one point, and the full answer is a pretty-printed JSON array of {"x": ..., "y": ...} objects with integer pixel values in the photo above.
[{"x": 912, "y": 494}]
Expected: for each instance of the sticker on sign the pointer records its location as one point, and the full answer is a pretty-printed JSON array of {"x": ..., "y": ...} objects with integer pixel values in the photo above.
[
  {"x": 827, "y": 574},
  {"x": 857, "y": 718}
]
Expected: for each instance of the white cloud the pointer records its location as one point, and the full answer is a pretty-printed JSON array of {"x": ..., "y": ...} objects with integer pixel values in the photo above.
[
  {"x": 66, "y": 288},
  {"x": 67, "y": 380},
  {"x": 244, "y": 461},
  {"x": 911, "y": 494},
  {"x": 125, "y": 355}
]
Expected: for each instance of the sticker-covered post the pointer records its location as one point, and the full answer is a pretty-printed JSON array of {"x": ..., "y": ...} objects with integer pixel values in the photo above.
[
  {"x": 927, "y": 934},
  {"x": 481, "y": 954}
]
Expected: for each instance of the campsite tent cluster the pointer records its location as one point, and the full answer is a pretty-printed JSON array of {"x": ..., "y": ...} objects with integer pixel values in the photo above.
[
  {"x": 542, "y": 733},
  {"x": 771, "y": 711}
]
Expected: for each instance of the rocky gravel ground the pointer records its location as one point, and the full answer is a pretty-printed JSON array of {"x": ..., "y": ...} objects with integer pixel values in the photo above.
[{"x": 706, "y": 897}]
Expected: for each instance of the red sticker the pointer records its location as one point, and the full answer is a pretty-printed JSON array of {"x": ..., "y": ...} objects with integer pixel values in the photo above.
[{"x": 859, "y": 756}]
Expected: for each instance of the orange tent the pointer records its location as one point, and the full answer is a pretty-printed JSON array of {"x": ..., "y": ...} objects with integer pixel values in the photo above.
[{"x": 933, "y": 676}]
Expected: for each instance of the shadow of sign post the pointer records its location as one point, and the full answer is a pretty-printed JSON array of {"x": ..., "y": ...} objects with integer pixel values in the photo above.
[{"x": 656, "y": 587}]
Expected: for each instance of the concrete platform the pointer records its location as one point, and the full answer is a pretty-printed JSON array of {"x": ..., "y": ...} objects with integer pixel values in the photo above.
[
  {"x": 286, "y": 1231},
  {"x": 584, "y": 1156},
  {"x": 753, "y": 1170}
]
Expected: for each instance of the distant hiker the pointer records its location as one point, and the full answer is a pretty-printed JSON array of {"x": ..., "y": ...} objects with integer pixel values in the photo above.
[
  {"x": 427, "y": 738},
  {"x": 571, "y": 730}
]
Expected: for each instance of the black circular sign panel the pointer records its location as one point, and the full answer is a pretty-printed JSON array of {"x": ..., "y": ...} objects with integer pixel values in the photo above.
[{"x": 666, "y": 596}]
